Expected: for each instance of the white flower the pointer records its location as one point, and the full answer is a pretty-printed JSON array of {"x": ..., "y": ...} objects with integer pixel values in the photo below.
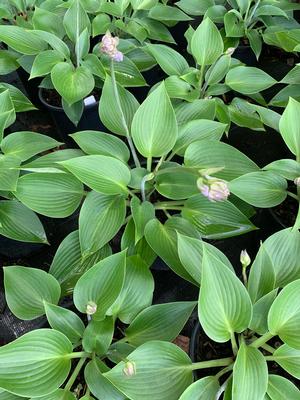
[
  {"x": 245, "y": 258},
  {"x": 91, "y": 308},
  {"x": 129, "y": 368}
]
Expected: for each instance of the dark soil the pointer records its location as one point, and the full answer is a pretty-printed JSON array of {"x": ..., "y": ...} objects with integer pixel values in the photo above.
[
  {"x": 54, "y": 99},
  {"x": 286, "y": 212}
]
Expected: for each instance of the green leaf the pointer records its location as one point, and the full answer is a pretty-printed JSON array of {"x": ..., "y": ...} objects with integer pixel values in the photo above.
[
  {"x": 45, "y": 20},
  {"x": 215, "y": 220},
  {"x": 41, "y": 354},
  {"x": 44, "y": 62},
  {"x": 101, "y": 285},
  {"x": 137, "y": 290},
  {"x": 9, "y": 172},
  {"x": 154, "y": 126},
  {"x": 198, "y": 109},
  {"x": 248, "y": 80},
  {"x": 20, "y": 223},
  {"x": 217, "y": 71},
  {"x": 100, "y": 24},
  {"x": 224, "y": 304},
  {"x": 250, "y": 375},
  {"x": 98, "y": 336},
  {"x": 288, "y": 169},
  {"x": 73, "y": 84},
  {"x": 193, "y": 7},
  {"x": 281, "y": 98},
  {"x": 8, "y": 62},
  {"x": 284, "y": 315},
  {"x": 76, "y": 20},
  {"x": 205, "y": 154},
  {"x": 68, "y": 264},
  {"x": 205, "y": 388},
  {"x": 8, "y": 396},
  {"x": 25, "y": 145},
  {"x": 159, "y": 322},
  {"x": 163, "y": 372},
  {"x": 279, "y": 386},
  {"x": 170, "y": 61},
  {"x": 110, "y": 113},
  {"x": 259, "y": 322},
  {"x": 59, "y": 394},
  {"x": 289, "y": 359},
  {"x": 260, "y": 189},
  {"x": 289, "y": 129},
  {"x": 55, "y": 42},
  {"x": 105, "y": 144},
  {"x": 18, "y": 100},
  {"x": 292, "y": 77},
  {"x": 51, "y": 159},
  {"x": 163, "y": 12},
  {"x": 98, "y": 384},
  {"x": 64, "y": 321},
  {"x": 255, "y": 42},
  {"x": 104, "y": 174},
  {"x": 142, "y": 212},
  {"x": 101, "y": 216},
  {"x": 207, "y": 44},
  {"x": 22, "y": 40},
  {"x": 26, "y": 290},
  {"x": 55, "y": 195},
  {"x": 195, "y": 130}
]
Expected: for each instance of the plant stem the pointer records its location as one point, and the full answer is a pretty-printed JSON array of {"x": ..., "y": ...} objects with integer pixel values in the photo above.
[
  {"x": 149, "y": 164},
  {"x": 262, "y": 340},
  {"x": 161, "y": 160},
  {"x": 244, "y": 273},
  {"x": 171, "y": 156},
  {"x": 166, "y": 204},
  {"x": 293, "y": 195},
  {"x": 201, "y": 79},
  {"x": 75, "y": 373},
  {"x": 124, "y": 123},
  {"x": 168, "y": 208},
  {"x": 234, "y": 344},
  {"x": 268, "y": 348},
  {"x": 222, "y": 362},
  {"x": 270, "y": 358},
  {"x": 224, "y": 371},
  {"x": 78, "y": 354}
]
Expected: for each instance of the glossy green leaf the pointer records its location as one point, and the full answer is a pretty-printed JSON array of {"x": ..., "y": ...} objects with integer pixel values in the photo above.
[
  {"x": 163, "y": 12},
  {"x": 163, "y": 372},
  {"x": 142, "y": 212},
  {"x": 110, "y": 113},
  {"x": 213, "y": 154},
  {"x": 51, "y": 159},
  {"x": 198, "y": 109},
  {"x": 288, "y": 169},
  {"x": 25, "y": 145},
  {"x": 218, "y": 70},
  {"x": 73, "y": 84},
  {"x": 207, "y": 43},
  {"x": 284, "y": 315},
  {"x": 26, "y": 290},
  {"x": 75, "y": 20},
  {"x": 170, "y": 61},
  {"x": 22, "y": 40},
  {"x": 59, "y": 394},
  {"x": 44, "y": 62},
  {"x": 137, "y": 290},
  {"x": 154, "y": 128},
  {"x": 279, "y": 387},
  {"x": 205, "y": 388},
  {"x": 248, "y": 80},
  {"x": 20, "y": 223},
  {"x": 44, "y": 355},
  {"x": 259, "y": 321},
  {"x": 55, "y": 195},
  {"x": 95, "y": 142},
  {"x": 8, "y": 62},
  {"x": 224, "y": 304},
  {"x": 260, "y": 189},
  {"x": 4, "y": 395},
  {"x": 289, "y": 359},
  {"x": 19, "y": 101},
  {"x": 65, "y": 321},
  {"x": 102, "y": 173},
  {"x": 101, "y": 285},
  {"x": 9, "y": 172},
  {"x": 159, "y": 322},
  {"x": 289, "y": 129},
  {"x": 101, "y": 216},
  {"x": 250, "y": 375},
  {"x": 98, "y": 336}
]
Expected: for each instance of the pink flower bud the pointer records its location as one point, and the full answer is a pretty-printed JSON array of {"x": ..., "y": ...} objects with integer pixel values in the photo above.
[
  {"x": 129, "y": 368},
  {"x": 109, "y": 47},
  {"x": 212, "y": 188}
]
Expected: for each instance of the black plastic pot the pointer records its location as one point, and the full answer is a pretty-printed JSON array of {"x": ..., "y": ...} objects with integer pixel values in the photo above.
[
  {"x": 246, "y": 55},
  {"x": 89, "y": 121},
  {"x": 31, "y": 86}
]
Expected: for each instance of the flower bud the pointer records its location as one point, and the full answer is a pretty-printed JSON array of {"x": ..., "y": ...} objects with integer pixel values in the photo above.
[
  {"x": 213, "y": 188},
  {"x": 129, "y": 368},
  {"x": 230, "y": 51},
  {"x": 109, "y": 47},
  {"x": 91, "y": 308},
  {"x": 297, "y": 181},
  {"x": 245, "y": 258}
]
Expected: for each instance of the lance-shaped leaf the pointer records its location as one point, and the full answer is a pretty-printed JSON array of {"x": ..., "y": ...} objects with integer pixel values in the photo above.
[
  {"x": 159, "y": 322},
  {"x": 224, "y": 304},
  {"x": 248, "y": 80},
  {"x": 142, "y": 212},
  {"x": 55, "y": 195},
  {"x": 287, "y": 168},
  {"x": 250, "y": 375},
  {"x": 98, "y": 336},
  {"x": 4, "y": 395},
  {"x": 284, "y": 315},
  {"x": 51, "y": 159},
  {"x": 260, "y": 189},
  {"x": 26, "y": 290},
  {"x": 289, "y": 359},
  {"x": 76, "y": 20},
  {"x": 44, "y": 62},
  {"x": 110, "y": 113},
  {"x": 20, "y": 223},
  {"x": 59, "y": 394},
  {"x": 288, "y": 127},
  {"x": 205, "y": 388},
  {"x": 154, "y": 126},
  {"x": 207, "y": 43},
  {"x": 279, "y": 387},
  {"x": 259, "y": 321},
  {"x": 100, "y": 286},
  {"x": 43, "y": 355},
  {"x": 198, "y": 109},
  {"x": 104, "y": 174},
  {"x": 100, "y": 218},
  {"x": 170, "y": 61},
  {"x": 9, "y": 172},
  {"x": 65, "y": 321},
  {"x": 22, "y": 40},
  {"x": 100, "y": 386},
  {"x": 162, "y": 371}
]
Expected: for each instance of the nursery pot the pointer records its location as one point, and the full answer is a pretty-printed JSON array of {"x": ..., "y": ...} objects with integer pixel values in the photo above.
[
  {"x": 89, "y": 121},
  {"x": 31, "y": 86}
]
